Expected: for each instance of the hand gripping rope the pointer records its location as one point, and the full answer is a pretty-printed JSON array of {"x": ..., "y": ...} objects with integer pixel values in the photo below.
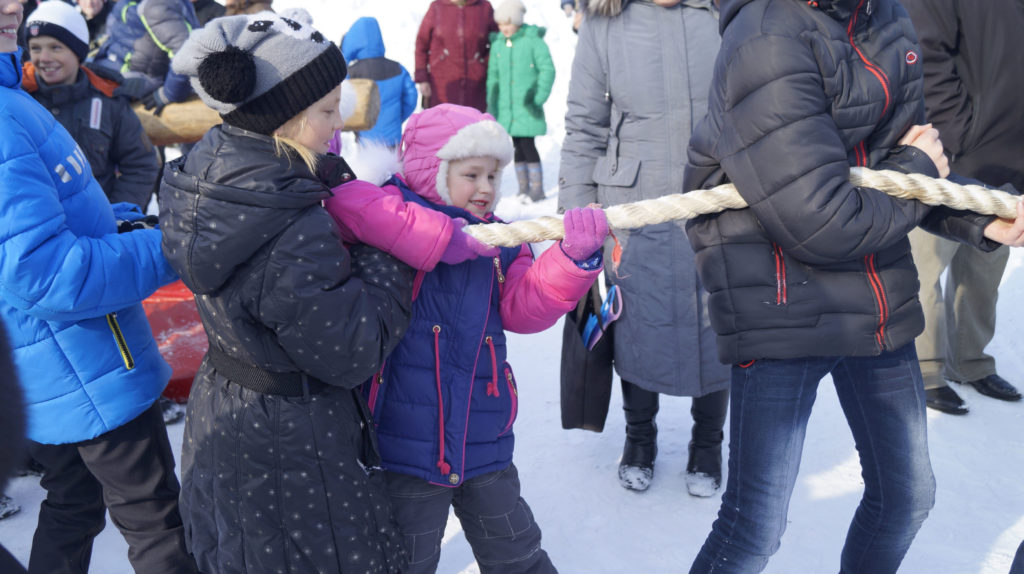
[{"x": 925, "y": 189}]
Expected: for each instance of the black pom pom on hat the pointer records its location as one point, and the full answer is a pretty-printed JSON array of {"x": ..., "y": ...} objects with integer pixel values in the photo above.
[{"x": 228, "y": 76}]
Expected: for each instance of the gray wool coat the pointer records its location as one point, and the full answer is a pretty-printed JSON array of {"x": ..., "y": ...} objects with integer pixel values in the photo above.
[{"x": 639, "y": 85}]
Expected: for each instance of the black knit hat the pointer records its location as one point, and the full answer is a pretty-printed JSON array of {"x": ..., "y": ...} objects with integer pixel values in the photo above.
[{"x": 259, "y": 71}]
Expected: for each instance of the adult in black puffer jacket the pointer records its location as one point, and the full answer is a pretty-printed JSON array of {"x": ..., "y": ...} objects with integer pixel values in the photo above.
[
  {"x": 816, "y": 278},
  {"x": 280, "y": 469}
]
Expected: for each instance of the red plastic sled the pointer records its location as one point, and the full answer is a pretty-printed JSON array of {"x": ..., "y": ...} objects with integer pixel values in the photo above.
[{"x": 179, "y": 333}]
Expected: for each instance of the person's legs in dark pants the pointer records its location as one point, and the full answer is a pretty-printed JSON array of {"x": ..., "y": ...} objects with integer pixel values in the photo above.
[
  {"x": 421, "y": 512},
  {"x": 71, "y": 515},
  {"x": 884, "y": 402},
  {"x": 500, "y": 526},
  {"x": 704, "y": 466},
  {"x": 636, "y": 469},
  {"x": 130, "y": 472},
  {"x": 771, "y": 401}
]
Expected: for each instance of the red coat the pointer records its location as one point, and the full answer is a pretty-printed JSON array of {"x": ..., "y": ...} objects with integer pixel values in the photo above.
[{"x": 452, "y": 47}]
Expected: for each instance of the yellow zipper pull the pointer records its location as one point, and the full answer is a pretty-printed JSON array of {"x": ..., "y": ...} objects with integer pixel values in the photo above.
[{"x": 497, "y": 268}]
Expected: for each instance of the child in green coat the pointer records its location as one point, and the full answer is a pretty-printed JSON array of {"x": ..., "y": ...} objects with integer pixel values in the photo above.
[{"x": 519, "y": 78}]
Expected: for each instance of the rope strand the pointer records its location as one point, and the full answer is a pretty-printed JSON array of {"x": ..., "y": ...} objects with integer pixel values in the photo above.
[{"x": 930, "y": 191}]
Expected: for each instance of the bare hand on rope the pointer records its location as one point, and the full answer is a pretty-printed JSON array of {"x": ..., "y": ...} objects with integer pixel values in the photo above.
[
  {"x": 1008, "y": 231},
  {"x": 926, "y": 139},
  {"x": 976, "y": 198}
]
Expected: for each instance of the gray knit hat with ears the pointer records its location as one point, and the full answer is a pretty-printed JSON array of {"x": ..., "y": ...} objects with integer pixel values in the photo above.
[{"x": 258, "y": 71}]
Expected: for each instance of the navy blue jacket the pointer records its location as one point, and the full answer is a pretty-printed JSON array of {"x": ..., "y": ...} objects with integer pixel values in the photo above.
[{"x": 449, "y": 364}]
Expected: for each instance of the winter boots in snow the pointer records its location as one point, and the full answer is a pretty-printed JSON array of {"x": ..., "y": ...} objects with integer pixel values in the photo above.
[
  {"x": 704, "y": 466},
  {"x": 531, "y": 182},
  {"x": 536, "y": 176},
  {"x": 636, "y": 469},
  {"x": 524, "y": 183}
]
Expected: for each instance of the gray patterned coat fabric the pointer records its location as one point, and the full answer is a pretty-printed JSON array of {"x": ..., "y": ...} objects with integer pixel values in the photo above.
[
  {"x": 655, "y": 66},
  {"x": 273, "y": 483}
]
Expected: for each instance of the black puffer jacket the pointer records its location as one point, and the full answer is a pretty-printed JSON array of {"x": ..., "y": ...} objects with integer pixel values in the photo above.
[
  {"x": 816, "y": 266},
  {"x": 274, "y": 482}
]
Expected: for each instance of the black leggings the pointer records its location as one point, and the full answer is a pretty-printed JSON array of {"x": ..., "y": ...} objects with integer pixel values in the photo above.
[{"x": 526, "y": 150}]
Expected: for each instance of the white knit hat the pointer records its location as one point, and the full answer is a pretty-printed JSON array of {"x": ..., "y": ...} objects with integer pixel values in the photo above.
[
  {"x": 59, "y": 20},
  {"x": 510, "y": 11}
]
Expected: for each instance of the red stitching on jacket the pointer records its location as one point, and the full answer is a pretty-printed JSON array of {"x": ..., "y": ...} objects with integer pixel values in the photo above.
[
  {"x": 443, "y": 466},
  {"x": 871, "y": 67}
]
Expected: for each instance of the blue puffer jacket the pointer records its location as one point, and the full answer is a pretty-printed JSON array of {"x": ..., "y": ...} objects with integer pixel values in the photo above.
[
  {"x": 451, "y": 362},
  {"x": 70, "y": 286},
  {"x": 363, "y": 48}
]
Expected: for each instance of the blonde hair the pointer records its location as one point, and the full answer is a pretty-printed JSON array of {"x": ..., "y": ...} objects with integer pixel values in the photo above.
[{"x": 284, "y": 145}]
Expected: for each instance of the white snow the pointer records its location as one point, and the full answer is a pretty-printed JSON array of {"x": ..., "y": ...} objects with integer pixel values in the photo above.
[{"x": 591, "y": 524}]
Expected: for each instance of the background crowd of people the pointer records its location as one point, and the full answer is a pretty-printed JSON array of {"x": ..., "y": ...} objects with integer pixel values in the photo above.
[{"x": 701, "y": 106}]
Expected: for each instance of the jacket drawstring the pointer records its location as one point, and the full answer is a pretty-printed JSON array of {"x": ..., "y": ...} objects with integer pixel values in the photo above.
[
  {"x": 443, "y": 466},
  {"x": 492, "y": 387}
]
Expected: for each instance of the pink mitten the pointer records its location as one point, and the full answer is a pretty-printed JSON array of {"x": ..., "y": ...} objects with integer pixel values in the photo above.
[
  {"x": 585, "y": 230},
  {"x": 463, "y": 247}
]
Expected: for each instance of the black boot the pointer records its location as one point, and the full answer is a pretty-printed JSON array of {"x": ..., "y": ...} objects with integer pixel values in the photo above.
[
  {"x": 704, "y": 467},
  {"x": 636, "y": 469}
]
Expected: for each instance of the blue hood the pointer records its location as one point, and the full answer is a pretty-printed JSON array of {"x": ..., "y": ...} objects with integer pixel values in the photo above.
[
  {"x": 10, "y": 69},
  {"x": 363, "y": 40}
]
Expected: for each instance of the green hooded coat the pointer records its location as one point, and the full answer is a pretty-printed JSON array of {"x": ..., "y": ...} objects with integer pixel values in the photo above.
[{"x": 519, "y": 79}]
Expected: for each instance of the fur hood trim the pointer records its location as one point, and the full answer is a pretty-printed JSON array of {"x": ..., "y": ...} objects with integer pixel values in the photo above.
[
  {"x": 373, "y": 161},
  {"x": 484, "y": 138}
]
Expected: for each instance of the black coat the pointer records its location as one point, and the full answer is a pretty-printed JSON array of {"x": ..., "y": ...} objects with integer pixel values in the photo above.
[
  {"x": 974, "y": 79},
  {"x": 815, "y": 266},
  {"x": 270, "y": 481}
]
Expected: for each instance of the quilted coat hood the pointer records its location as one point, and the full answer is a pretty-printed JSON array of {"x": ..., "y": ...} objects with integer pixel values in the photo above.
[
  {"x": 838, "y": 9},
  {"x": 363, "y": 40},
  {"x": 231, "y": 171}
]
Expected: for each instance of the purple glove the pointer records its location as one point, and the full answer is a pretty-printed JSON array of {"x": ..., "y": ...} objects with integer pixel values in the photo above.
[
  {"x": 585, "y": 230},
  {"x": 462, "y": 246}
]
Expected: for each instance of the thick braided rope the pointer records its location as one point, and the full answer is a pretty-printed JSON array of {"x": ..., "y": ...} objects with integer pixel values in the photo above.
[{"x": 703, "y": 201}]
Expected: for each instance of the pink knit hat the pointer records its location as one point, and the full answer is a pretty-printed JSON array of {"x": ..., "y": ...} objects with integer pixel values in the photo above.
[{"x": 444, "y": 133}]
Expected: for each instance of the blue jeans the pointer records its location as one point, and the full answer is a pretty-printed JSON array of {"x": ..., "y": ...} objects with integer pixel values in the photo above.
[{"x": 883, "y": 400}]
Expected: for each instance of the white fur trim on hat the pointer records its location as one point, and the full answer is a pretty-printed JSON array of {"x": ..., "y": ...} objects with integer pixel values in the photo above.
[
  {"x": 510, "y": 11},
  {"x": 481, "y": 139}
]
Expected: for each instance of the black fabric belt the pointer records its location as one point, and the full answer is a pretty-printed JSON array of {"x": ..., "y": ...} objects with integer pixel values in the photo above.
[{"x": 292, "y": 384}]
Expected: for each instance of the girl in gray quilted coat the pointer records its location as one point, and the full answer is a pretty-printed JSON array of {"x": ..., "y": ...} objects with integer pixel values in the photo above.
[{"x": 639, "y": 84}]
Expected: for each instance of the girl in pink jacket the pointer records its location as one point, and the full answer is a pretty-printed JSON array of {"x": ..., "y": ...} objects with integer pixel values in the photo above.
[{"x": 446, "y": 399}]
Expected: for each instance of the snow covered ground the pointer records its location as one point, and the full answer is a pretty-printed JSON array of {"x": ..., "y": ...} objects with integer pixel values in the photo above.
[{"x": 593, "y": 526}]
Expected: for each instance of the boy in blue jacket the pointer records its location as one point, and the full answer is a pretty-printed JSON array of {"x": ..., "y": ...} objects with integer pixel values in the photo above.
[
  {"x": 70, "y": 294},
  {"x": 363, "y": 48}
]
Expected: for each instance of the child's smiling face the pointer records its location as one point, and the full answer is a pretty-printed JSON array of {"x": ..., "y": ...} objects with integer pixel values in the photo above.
[
  {"x": 472, "y": 184},
  {"x": 55, "y": 63}
]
